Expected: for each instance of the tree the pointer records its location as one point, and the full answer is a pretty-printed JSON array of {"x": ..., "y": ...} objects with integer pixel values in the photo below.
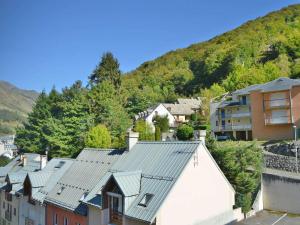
[
  {"x": 185, "y": 132},
  {"x": 144, "y": 130},
  {"x": 31, "y": 138},
  {"x": 98, "y": 137},
  {"x": 162, "y": 122},
  {"x": 107, "y": 69},
  {"x": 108, "y": 107},
  {"x": 157, "y": 133}
]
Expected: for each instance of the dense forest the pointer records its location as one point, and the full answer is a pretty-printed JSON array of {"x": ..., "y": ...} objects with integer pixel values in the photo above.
[{"x": 258, "y": 51}]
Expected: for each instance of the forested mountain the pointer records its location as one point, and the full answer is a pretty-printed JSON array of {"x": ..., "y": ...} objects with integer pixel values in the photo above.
[
  {"x": 15, "y": 104},
  {"x": 258, "y": 51}
]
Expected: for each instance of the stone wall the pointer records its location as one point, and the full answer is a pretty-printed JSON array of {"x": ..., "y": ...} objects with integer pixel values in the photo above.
[{"x": 280, "y": 162}]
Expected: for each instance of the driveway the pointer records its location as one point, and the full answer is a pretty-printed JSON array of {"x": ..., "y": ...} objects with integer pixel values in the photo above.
[{"x": 271, "y": 218}]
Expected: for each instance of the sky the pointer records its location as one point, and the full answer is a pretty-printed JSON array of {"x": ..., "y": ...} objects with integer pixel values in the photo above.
[{"x": 56, "y": 42}]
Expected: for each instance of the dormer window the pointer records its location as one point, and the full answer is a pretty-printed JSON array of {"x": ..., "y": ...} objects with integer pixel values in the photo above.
[{"x": 145, "y": 200}]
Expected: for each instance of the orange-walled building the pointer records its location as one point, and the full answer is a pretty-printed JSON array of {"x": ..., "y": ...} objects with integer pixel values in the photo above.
[{"x": 269, "y": 111}]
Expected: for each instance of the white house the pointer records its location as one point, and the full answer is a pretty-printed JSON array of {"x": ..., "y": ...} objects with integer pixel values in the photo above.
[
  {"x": 159, "y": 110},
  {"x": 163, "y": 183}
]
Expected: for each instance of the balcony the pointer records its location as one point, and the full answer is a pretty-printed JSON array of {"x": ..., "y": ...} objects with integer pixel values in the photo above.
[
  {"x": 235, "y": 127},
  {"x": 277, "y": 103},
  {"x": 8, "y": 215},
  {"x": 241, "y": 114},
  {"x": 271, "y": 120}
]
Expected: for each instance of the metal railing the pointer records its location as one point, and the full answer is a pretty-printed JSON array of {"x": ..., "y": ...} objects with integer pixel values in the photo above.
[
  {"x": 278, "y": 120},
  {"x": 277, "y": 103},
  {"x": 236, "y": 127}
]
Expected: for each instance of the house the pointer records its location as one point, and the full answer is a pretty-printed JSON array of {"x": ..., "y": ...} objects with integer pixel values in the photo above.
[
  {"x": 178, "y": 112},
  {"x": 269, "y": 111},
  {"x": 184, "y": 108},
  {"x": 35, "y": 189},
  {"x": 11, "y": 180},
  {"x": 162, "y": 183},
  {"x": 64, "y": 204},
  {"x": 150, "y": 113}
]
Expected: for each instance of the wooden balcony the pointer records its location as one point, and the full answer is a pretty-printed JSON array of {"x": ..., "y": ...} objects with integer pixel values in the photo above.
[{"x": 116, "y": 218}]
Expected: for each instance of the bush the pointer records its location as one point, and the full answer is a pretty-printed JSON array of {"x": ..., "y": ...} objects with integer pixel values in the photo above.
[
  {"x": 145, "y": 131},
  {"x": 98, "y": 137},
  {"x": 185, "y": 132}
]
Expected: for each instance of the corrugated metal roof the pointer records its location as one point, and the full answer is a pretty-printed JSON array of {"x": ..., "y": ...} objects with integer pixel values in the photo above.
[
  {"x": 282, "y": 83},
  {"x": 129, "y": 182},
  {"x": 161, "y": 164},
  {"x": 82, "y": 176}
]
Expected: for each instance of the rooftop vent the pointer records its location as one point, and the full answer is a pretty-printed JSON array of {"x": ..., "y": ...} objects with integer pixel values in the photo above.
[
  {"x": 145, "y": 200},
  {"x": 60, "y": 190},
  {"x": 60, "y": 164}
]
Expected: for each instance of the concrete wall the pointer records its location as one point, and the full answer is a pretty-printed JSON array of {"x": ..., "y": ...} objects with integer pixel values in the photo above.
[
  {"x": 259, "y": 130},
  {"x": 73, "y": 218},
  {"x": 201, "y": 194},
  {"x": 281, "y": 193},
  {"x": 35, "y": 212}
]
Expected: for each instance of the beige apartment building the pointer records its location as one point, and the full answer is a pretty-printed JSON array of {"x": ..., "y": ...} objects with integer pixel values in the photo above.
[{"x": 269, "y": 111}]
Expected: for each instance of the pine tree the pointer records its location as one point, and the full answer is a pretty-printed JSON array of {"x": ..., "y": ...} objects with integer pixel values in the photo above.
[{"x": 107, "y": 69}]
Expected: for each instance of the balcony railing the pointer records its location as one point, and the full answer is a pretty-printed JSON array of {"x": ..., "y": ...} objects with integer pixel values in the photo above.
[
  {"x": 236, "y": 127},
  {"x": 8, "y": 215},
  {"x": 277, "y": 103},
  {"x": 278, "y": 120},
  {"x": 240, "y": 114}
]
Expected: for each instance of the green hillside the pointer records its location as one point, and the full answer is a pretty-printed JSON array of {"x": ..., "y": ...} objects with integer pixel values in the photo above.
[
  {"x": 15, "y": 104},
  {"x": 256, "y": 52}
]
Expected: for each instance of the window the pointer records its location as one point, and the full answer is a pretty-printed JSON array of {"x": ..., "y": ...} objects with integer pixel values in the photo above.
[
  {"x": 145, "y": 200},
  {"x": 3, "y": 205},
  {"x": 15, "y": 211},
  {"x": 66, "y": 221},
  {"x": 217, "y": 123},
  {"x": 228, "y": 121},
  {"x": 55, "y": 219}
]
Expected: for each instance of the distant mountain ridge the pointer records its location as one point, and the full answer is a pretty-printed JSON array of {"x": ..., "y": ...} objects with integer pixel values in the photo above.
[{"x": 15, "y": 104}]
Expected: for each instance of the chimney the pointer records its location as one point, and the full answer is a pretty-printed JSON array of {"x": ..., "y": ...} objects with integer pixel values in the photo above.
[
  {"x": 24, "y": 160},
  {"x": 43, "y": 161},
  {"x": 202, "y": 135},
  {"x": 132, "y": 138}
]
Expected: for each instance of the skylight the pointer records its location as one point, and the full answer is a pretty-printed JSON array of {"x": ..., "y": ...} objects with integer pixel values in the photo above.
[{"x": 145, "y": 200}]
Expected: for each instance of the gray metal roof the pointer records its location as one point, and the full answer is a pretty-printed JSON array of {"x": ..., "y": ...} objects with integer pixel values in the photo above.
[
  {"x": 280, "y": 84},
  {"x": 43, "y": 181},
  {"x": 160, "y": 164},
  {"x": 82, "y": 176},
  {"x": 129, "y": 182}
]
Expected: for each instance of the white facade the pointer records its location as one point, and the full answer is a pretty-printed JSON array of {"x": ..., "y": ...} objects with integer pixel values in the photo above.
[
  {"x": 161, "y": 111},
  {"x": 202, "y": 195},
  {"x": 29, "y": 212},
  {"x": 9, "y": 209}
]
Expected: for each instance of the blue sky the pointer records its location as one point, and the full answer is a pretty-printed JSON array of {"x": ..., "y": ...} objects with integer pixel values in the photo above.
[{"x": 55, "y": 42}]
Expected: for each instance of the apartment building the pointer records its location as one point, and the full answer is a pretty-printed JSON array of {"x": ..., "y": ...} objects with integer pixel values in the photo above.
[{"x": 269, "y": 111}]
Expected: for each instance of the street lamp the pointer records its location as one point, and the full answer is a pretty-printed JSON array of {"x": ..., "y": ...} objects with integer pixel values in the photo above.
[{"x": 296, "y": 149}]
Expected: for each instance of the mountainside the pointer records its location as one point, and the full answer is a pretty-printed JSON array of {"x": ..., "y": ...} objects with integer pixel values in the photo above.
[
  {"x": 256, "y": 52},
  {"x": 15, "y": 104}
]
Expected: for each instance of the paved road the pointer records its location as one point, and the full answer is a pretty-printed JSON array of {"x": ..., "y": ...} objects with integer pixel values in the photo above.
[{"x": 271, "y": 218}]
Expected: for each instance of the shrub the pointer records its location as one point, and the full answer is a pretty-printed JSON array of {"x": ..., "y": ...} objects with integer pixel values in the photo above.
[
  {"x": 98, "y": 137},
  {"x": 157, "y": 134},
  {"x": 162, "y": 123},
  {"x": 185, "y": 132},
  {"x": 145, "y": 131}
]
